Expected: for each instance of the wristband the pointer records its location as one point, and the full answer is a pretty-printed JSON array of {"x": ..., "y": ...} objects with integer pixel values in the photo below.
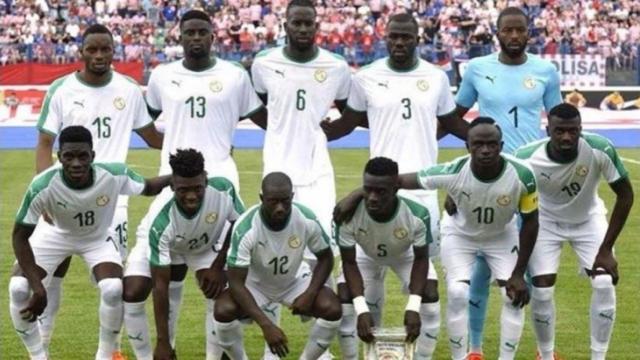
[
  {"x": 414, "y": 303},
  {"x": 360, "y": 305}
]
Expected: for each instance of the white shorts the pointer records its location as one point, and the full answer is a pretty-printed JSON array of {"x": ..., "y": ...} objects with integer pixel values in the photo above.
[
  {"x": 373, "y": 270},
  {"x": 459, "y": 254},
  {"x": 264, "y": 295},
  {"x": 428, "y": 199},
  {"x": 49, "y": 252},
  {"x": 584, "y": 238},
  {"x": 195, "y": 262}
]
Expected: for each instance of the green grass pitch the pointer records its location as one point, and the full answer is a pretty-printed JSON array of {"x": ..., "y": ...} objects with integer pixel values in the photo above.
[{"x": 76, "y": 329}]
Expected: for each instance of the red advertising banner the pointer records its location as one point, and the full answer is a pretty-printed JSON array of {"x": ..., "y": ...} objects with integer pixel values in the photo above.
[{"x": 45, "y": 74}]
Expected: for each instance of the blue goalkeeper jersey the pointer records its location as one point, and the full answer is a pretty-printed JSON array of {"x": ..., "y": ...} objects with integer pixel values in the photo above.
[{"x": 513, "y": 95}]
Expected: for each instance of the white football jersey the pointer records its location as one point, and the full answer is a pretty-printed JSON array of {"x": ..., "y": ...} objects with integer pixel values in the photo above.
[
  {"x": 569, "y": 192},
  {"x": 79, "y": 214},
  {"x": 274, "y": 257},
  {"x": 387, "y": 241},
  {"x": 110, "y": 112},
  {"x": 402, "y": 108},
  {"x": 484, "y": 208},
  {"x": 201, "y": 110},
  {"x": 174, "y": 232},
  {"x": 299, "y": 96}
]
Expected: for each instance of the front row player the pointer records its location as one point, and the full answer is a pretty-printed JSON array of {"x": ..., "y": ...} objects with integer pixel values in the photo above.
[
  {"x": 568, "y": 166},
  {"x": 186, "y": 231},
  {"x": 265, "y": 265},
  {"x": 80, "y": 198},
  {"x": 386, "y": 230}
]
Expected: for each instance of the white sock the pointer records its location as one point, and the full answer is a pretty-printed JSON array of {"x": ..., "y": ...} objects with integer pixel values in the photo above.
[
  {"x": 320, "y": 338},
  {"x": 511, "y": 325},
  {"x": 430, "y": 318},
  {"x": 230, "y": 339},
  {"x": 272, "y": 311},
  {"x": 347, "y": 334},
  {"x": 543, "y": 313},
  {"x": 135, "y": 321},
  {"x": 374, "y": 293},
  {"x": 175, "y": 300},
  {"x": 214, "y": 352},
  {"x": 457, "y": 318},
  {"x": 48, "y": 317},
  {"x": 111, "y": 316},
  {"x": 603, "y": 314},
  {"x": 28, "y": 332}
]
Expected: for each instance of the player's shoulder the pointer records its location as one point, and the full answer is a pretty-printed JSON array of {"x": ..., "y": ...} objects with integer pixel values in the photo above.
[
  {"x": 220, "y": 183},
  {"x": 330, "y": 56},
  {"x": 452, "y": 167},
  {"x": 483, "y": 61},
  {"x": 527, "y": 151},
  {"x": 113, "y": 168},
  {"x": 124, "y": 80},
  {"x": 44, "y": 179},
  {"x": 522, "y": 170},
  {"x": 245, "y": 222},
  {"x": 61, "y": 83},
  {"x": 304, "y": 211},
  {"x": 597, "y": 141},
  {"x": 539, "y": 63},
  {"x": 162, "y": 218},
  {"x": 371, "y": 68},
  {"x": 231, "y": 66},
  {"x": 265, "y": 54},
  {"x": 415, "y": 208}
]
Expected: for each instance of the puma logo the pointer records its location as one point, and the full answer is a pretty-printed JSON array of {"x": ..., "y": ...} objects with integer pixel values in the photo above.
[
  {"x": 79, "y": 103},
  {"x": 545, "y": 175},
  {"x": 280, "y": 72},
  {"x": 176, "y": 82},
  {"x": 384, "y": 84},
  {"x": 490, "y": 78}
]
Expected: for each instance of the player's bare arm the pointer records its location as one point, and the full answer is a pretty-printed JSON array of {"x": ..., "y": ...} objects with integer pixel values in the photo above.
[
  {"x": 259, "y": 117},
  {"x": 273, "y": 335},
  {"x": 151, "y": 136},
  {"x": 345, "y": 208},
  {"x": 417, "y": 284},
  {"x": 454, "y": 124},
  {"x": 356, "y": 290},
  {"x": 160, "y": 277},
  {"x": 343, "y": 126},
  {"x": 33, "y": 273},
  {"x": 44, "y": 151},
  {"x": 303, "y": 304},
  {"x": 624, "y": 201},
  {"x": 153, "y": 186},
  {"x": 213, "y": 280},
  {"x": 341, "y": 105},
  {"x": 516, "y": 286}
]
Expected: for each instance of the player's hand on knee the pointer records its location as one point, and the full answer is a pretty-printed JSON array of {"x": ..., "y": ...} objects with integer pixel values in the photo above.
[
  {"x": 517, "y": 291},
  {"x": 276, "y": 339},
  {"x": 163, "y": 351},
  {"x": 450, "y": 206},
  {"x": 412, "y": 325},
  {"x": 212, "y": 282},
  {"x": 303, "y": 304},
  {"x": 365, "y": 325},
  {"x": 605, "y": 261},
  {"x": 37, "y": 304}
]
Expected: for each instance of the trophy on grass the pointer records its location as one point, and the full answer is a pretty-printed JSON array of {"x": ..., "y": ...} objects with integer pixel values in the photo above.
[{"x": 389, "y": 344}]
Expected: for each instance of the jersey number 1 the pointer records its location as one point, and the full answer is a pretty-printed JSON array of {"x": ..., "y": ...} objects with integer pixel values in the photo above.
[
  {"x": 514, "y": 111},
  {"x": 279, "y": 265}
]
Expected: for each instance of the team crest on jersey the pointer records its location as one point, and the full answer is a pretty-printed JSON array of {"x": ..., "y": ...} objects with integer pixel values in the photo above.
[
  {"x": 119, "y": 103},
  {"x": 400, "y": 233},
  {"x": 504, "y": 200},
  {"x": 320, "y": 75},
  {"x": 102, "y": 200},
  {"x": 215, "y": 86},
  {"x": 529, "y": 83},
  {"x": 294, "y": 242},
  {"x": 582, "y": 170},
  {"x": 211, "y": 217},
  {"x": 422, "y": 85}
]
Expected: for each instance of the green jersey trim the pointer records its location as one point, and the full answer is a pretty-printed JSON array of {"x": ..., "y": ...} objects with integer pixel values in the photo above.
[
  {"x": 525, "y": 175},
  {"x": 224, "y": 185},
  {"x": 83, "y": 82},
  {"x": 315, "y": 56},
  {"x": 38, "y": 184},
  {"x": 603, "y": 144},
  {"x": 413, "y": 67},
  {"x": 47, "y": 101},
  {"x": 311, "y": 216},
  {"x": 120, "y": 169},
  {"x": 421, "y": 213},
  {"x": 159, "y": 225},
  {"x": 526, "y": 151},
  {"x": 240, "y": 229},
  {"x": 450, "y": 168}
]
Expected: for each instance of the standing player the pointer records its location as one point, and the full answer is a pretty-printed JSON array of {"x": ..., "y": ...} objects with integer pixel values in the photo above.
[
  {"x": 386, "y": 231},
  {"x": 80, "y": 199},
  {"x": 110, "y": 105},
  {"x": 512, "y": 87},
  {"x": 299, "y": 82},
  {"x": 186, "y": 232},
  {"x": 266, "y": 265},
  {"x": 201, "y": 99},
  {"x": 402, "y": 98},
  {"x": 568, "y": 166}
]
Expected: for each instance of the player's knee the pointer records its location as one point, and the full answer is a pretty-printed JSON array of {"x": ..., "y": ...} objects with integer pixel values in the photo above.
[
  {"x": 136, "y": 290},
  {"x": 224, "y": 310},
  {"x": 542, "y": 294},
  {"x": 430, "y": 294},
  {"x": 111, "y": 290},
  {"x": 602, "y": 282},
  {"x": 18, "y": 289},
  {"x": 458, "y": 294},
  {"x": 330, "y": 309}
]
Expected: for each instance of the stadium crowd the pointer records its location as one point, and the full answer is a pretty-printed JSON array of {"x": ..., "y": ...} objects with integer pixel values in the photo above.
[{"x": 48, "y": 31}]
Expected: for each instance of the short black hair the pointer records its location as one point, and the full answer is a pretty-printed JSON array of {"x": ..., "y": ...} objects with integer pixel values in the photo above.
[
  {"x": 381, "y": 166},
  {"x": 96, "y": 29},
  {"x": 403, "y": 18},
  {"x": 512, "y": 10},
  {"x": 276, "y": 179},
  {"x": 194, "y": 14},
  {"x": 564, "y": 111},
  {"x": 187, "y": 163},
  {"x": 300, "y": 3},
  {"x": 484, "y": 120},
  {"x": 75, "y": 134}
]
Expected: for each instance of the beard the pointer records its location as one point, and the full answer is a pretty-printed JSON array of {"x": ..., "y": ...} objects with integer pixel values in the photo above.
[{"x": 510, "y": 52}]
